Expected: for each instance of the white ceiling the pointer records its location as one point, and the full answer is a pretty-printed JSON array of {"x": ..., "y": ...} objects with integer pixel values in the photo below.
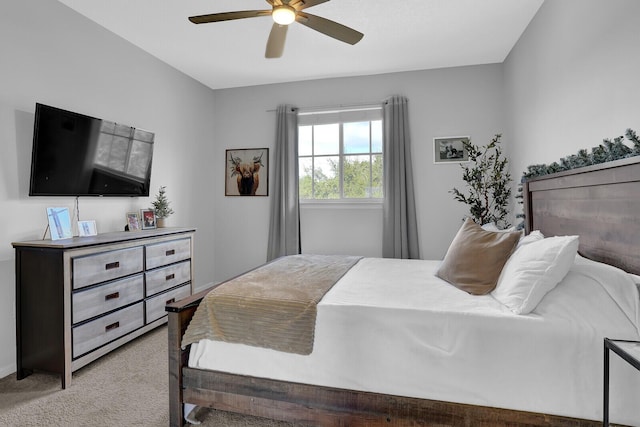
[{"x": 398, "y": 36}]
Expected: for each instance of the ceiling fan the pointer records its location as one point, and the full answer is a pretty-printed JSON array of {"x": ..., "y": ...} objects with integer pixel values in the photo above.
[{"x": 285, "y": 12}]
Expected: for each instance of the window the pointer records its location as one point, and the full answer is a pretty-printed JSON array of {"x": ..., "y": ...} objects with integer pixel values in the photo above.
[{"x": 340, "y": 154}]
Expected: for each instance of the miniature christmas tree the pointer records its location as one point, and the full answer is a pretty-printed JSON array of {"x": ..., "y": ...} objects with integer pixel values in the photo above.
[{"x": 161, "y": 204}]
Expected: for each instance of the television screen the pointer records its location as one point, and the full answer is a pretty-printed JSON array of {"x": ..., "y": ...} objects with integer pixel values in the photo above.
[{"x": 78, "y": 155}]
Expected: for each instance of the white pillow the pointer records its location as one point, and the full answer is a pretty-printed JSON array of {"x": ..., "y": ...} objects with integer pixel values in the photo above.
[
  {"x": 636, "y": 280},
  {"x": 533, "y": 270},
  {"x": 524, "y": 239},
  {"x": 534, "y": 236}
]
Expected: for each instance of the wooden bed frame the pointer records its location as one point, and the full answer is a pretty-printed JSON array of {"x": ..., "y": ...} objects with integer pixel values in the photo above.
[{"x": 600, "y": 203}]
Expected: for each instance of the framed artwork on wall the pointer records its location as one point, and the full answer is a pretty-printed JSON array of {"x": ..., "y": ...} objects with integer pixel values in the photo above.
[
  {"x": 247, "y": 172},
  {"x": 450, "y": 149}
]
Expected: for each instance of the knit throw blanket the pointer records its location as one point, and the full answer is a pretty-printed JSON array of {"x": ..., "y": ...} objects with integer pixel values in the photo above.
[{"x": 273, "y": 306}]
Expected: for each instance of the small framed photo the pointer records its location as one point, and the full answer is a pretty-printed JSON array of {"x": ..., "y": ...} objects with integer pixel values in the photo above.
[
  {"x": 148, "y": 218},
  {"x": 133, "y": 221},
  {"x": 247, "y": 172},
  {"x": 450, "y": 149},
  {"x": 59, "y": 223},
  {"x": 87, "y": 228}
]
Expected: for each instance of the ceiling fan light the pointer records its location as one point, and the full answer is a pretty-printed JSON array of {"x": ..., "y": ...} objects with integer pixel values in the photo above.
[{"x": 283, "y": 15}]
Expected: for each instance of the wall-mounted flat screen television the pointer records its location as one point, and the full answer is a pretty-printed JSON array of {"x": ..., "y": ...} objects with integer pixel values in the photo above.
[{"x": 78, "y": 155}]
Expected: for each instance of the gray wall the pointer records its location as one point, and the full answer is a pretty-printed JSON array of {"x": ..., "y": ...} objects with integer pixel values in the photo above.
[
  {"x": 52, "y": 55},
  {"x": 445, "y": 102},
  {"x": 572, "y": 79}
]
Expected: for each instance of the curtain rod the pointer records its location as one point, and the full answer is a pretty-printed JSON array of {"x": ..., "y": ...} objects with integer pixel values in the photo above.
[{"x": 362, "y": 105}]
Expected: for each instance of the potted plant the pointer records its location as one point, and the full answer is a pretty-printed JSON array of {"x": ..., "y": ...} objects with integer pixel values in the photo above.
[
  {"x": 488, "y": 181},
  {"x": 161, "y": 207}
]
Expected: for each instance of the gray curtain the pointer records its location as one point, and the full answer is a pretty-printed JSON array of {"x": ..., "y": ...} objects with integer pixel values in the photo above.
[
  {"x": 400, "y": 228},
  {"x": 284, "y": 224}
]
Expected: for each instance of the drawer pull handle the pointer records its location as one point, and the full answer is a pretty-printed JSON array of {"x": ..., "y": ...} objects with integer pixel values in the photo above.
[
  {"x": 171, "y": 252},
  {"x": 112, "y": 265},
  {"x": 112, "y": 326},
  {"x": 112, "y": 296},
  {"x": 170, "y": 277},
  {"x": 171, "y": 300}
]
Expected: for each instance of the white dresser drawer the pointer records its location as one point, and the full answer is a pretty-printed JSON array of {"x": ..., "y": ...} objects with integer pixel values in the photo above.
[
  {"x": 161, "y": 279},
  {"x": 166, "y": 253},
  {"x": 102, "y": 330},
  {"x": 154, "y": 307},
  {"x": 106, "y": 266},
  {"x": 110, "y": 296}
]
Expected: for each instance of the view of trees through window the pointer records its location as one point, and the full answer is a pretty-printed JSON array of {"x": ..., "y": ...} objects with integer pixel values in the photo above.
[{"x": 340, "y": 160}]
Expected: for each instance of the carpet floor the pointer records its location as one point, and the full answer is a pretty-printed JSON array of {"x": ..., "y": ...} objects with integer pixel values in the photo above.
[{"x": 127, "y": 387}]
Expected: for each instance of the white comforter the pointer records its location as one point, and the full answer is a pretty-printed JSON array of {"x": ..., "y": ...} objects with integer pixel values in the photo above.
[{"x": 391, "y": 326}]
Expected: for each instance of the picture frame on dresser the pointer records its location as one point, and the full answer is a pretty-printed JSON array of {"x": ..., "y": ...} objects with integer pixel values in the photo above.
[
  {"x": 87, "y": 228},
  {"x": 133, "y": 221},
  {"x": 59, "y": 223},
  {"x": 148, "y": 218}
]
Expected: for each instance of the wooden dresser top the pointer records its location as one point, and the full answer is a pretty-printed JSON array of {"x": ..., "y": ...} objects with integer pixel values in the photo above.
[{"x": 103, "y": 238}]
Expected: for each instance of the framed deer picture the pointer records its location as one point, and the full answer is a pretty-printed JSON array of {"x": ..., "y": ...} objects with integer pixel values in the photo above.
[{"x": 247, "y": 172}]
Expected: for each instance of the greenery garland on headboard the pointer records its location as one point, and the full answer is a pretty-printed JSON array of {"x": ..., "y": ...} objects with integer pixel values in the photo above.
[{"x": 606, "y": 152}]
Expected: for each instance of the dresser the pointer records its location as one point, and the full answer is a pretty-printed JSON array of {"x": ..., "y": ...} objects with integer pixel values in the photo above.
[{"x": 78, "y": 299}]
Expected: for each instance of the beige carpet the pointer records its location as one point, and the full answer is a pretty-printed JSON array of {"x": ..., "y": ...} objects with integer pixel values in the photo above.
[{"x": 128, "y": 387}]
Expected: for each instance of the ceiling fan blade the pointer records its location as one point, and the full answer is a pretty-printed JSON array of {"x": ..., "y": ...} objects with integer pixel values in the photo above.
[
  {"x": 275, "y": 44},
  {"x": 227, "y": 16},
  {"x": 330, "y": 28},
  {"x": 305, "y": 4}
]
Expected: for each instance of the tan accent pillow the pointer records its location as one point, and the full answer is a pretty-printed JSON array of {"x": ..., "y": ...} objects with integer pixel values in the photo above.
[{"x": 475, "y": 258}]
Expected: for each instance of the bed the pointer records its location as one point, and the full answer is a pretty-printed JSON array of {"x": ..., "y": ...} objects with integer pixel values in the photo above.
[{"x": 350, "y": 386}]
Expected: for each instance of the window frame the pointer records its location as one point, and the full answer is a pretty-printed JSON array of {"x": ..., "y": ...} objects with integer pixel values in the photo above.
[{"x": 340, "y": 116}]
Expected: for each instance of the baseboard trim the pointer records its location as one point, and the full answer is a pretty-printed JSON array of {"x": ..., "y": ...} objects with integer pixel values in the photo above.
[{"x": 7, "y": 370}]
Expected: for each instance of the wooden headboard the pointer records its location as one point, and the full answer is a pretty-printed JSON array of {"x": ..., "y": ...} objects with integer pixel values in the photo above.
[{"x": 600, "y": 203}]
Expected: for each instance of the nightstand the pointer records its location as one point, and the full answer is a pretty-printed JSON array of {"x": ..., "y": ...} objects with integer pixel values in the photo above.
[{"x": 630, "y": 352}]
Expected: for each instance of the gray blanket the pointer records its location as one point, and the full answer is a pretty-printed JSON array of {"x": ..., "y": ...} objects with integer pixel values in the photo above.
[{"x": 273, "y": 306}]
